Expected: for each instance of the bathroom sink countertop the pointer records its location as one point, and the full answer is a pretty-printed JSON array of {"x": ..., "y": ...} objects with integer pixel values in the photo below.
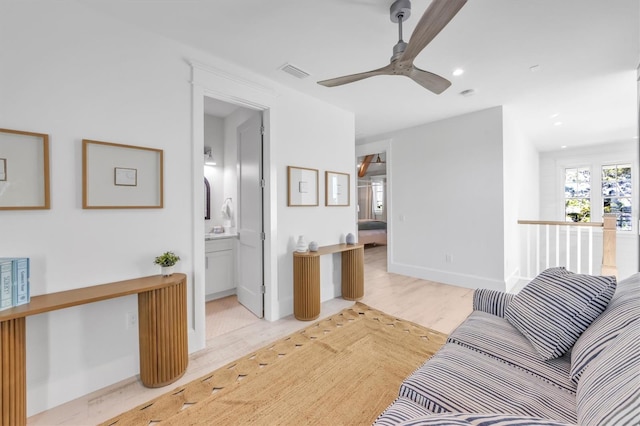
[{"x": 225, "y": 234}]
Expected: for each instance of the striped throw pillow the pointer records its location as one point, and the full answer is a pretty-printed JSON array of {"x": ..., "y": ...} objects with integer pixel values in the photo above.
[
  {"x": 608, "y": 392},
  {"x": 557, "y": 306},
  {"x": 622, "y": 311}
]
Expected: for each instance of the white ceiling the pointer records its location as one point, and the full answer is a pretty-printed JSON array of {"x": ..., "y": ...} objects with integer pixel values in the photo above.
[{"x": 586, "y": 51}]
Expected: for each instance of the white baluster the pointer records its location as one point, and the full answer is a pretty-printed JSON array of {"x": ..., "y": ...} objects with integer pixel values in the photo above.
[
  {"x": 579, "y": 249},
  {"x": 557, "y": 245},
  {"x": 590, "y": 250},
  {"x": 547, "y": 247},
  {"x": 537, "y": 249},
  {"x": 529, "y": 251},
  {"x": 568, "y": 264}
]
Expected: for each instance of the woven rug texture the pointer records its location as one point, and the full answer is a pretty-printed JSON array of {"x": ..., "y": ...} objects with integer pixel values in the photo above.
[{"x": 344, "y": 370}]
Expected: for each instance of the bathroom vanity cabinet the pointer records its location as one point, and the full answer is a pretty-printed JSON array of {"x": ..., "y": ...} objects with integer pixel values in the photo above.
[{"x": 220, "y": 263}]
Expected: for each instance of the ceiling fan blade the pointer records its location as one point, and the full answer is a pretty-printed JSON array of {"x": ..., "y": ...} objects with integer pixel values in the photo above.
[
  {"x": 428, "y": 80},
  {"x": 434, "y": 19},
  {"x": 338, "y": 81}
]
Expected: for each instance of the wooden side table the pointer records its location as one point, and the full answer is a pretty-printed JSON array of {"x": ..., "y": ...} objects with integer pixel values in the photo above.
[
  {"x": 162, "y": 312},
  {"x": 306, "y": 278}
]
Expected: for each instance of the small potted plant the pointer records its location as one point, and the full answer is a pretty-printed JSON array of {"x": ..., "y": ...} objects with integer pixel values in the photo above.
[{"x": 167, "y": 261}]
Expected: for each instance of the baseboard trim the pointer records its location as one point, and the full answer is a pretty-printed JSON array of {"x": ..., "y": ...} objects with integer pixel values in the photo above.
[
  {"x": 219, "y": 295},
  {"x": 446, "y": 277}
]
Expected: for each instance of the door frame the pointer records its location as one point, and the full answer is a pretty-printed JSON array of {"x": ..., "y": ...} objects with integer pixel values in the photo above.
[
  {"x": 208, "y": 81},
  {"x": 374, "y": 148}
]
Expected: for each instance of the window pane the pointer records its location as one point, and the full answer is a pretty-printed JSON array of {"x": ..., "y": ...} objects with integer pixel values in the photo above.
[
  {"x": 578, "y": 210},
  {"x": 577, "y": 183},
  {"x": 584, "y": 175},
  {"x": 622, "y": 208},
  {"x": 616, "y": 189},
  {"x": 624, "y": 178},
  {"x": 609, "y": 181},
  {"x": 584, "y": 190},
  {"x": 570, "y": 189}
]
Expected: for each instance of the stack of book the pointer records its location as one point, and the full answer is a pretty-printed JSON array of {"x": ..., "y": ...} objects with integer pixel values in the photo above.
[{"x": 14, "y": 281}]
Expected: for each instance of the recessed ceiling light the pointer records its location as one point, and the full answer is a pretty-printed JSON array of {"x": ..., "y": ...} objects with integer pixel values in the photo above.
[
  {"x": 534, "y": 68},
  {"x": 563, "y": 147},
  {"x": 558, "y": 123},
  {"x": 468, "y": 92},
  {"x": 554, "y": 115},
  {"x": 458, "y": 71}
]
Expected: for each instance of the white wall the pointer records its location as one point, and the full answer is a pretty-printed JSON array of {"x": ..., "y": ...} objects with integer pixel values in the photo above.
[
  {"x": 521, "y": 193},
  {"x": 310, "y": 136},
  {"x": 552, "y": 165},
  {"x": 447, "y": 200},
  {"x": 214, "y": 139},
  {"x": 72, "y": 73}
]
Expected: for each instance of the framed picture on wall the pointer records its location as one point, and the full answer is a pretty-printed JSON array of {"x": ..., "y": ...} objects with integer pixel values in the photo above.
[
  {"x": 116, "y": 176},
  {"x": 337, "y": 189},
  {"x": 303, "y": 186},
  {"x": 24, "y": 170}
]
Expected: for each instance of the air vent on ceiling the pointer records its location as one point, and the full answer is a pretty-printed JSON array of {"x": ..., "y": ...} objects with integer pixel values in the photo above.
[{"x": 294, "y": 71}]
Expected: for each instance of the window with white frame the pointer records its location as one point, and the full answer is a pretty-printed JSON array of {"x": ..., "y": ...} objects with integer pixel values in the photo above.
[
  {"x": 616, "y": 193},
  {"x": 377, "y": 206},
  {"x": 577, "y": 194}
]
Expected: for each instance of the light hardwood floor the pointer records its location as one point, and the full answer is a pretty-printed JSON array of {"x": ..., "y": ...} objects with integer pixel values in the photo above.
[{"x": 438, "y": 306}]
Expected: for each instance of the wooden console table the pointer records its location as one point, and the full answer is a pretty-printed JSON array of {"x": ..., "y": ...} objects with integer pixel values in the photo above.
[
  {"x": 162, "y": 326},
  {"x": 306, "y": 278}
]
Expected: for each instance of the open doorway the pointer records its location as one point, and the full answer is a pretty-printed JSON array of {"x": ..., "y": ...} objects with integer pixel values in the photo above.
[
  {"x": 233, "y": 217},
  {"x": 372, "y": 199}
]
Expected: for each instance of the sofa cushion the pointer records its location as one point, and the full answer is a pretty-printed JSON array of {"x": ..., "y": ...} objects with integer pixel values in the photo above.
[
  {"x": 496, "y": 337},
  {"x": 458, "y": 379},
  {"x": 472, "y": 419},
  {"x": 609, "y": 389},
  {"x": 623, "y": 309},
  {"x": 400, "y": 410},
  {"x": 491, "y": 301},
  {"x": 557, "y": 306}
]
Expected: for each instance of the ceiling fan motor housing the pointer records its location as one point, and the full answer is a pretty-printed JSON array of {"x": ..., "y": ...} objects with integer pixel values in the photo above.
[{"x": 400, "y": 9}]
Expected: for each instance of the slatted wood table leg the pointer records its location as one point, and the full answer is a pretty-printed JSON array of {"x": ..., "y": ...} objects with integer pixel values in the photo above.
[
  {"x": 13, "y": 373},
  {"x": 353, "y": 274},
  {"x": 306, "y": 287},
  {"x": 163, "y": 335}
]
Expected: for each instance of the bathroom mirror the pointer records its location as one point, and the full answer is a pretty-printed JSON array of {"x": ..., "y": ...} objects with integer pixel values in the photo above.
[
  {"x": 207, "y": 199},
  {"x": 24, "y": 170}
]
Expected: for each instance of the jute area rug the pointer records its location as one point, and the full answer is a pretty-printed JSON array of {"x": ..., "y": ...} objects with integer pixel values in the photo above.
[{"x": 344, "y": 370}]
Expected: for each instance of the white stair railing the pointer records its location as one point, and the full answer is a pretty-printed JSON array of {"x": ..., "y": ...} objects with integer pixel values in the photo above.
[{"x": 553, "y": 238}]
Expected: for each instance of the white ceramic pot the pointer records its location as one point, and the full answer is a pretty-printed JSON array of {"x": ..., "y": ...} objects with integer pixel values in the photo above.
[
  {"x": 167, "y": 271},
  {"x": 301, "y": 246}
]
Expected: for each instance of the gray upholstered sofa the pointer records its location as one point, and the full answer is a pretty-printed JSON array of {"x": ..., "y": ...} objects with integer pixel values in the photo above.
[{"x": 500, "y": 367}]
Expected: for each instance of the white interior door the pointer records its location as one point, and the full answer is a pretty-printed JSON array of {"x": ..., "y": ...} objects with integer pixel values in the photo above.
[{"x": 250, "y": 222}]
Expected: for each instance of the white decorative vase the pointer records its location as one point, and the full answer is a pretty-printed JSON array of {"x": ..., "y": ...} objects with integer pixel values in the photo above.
[
  {"x": 313, "y": 246},
  {"x": 301, "y": 245},
  {"x": 167, "y": 271}
]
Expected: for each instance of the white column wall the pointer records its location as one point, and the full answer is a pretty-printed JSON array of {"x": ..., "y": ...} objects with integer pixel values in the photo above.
[
  {"x": 447, "y": 200},
  {"x": 521, "y": 194}
]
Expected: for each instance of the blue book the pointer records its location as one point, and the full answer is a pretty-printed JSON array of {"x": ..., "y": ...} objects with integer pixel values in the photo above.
[
  {"x": 6, "y": 283},
  {"x": 22, "y": 294}
]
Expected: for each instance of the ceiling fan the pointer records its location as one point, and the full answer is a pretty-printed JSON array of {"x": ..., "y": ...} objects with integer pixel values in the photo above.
[{"x": 434, "y": 19}]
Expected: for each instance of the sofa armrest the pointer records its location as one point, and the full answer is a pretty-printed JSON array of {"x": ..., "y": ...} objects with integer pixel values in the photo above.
[{"x": 491, "y": 301}]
